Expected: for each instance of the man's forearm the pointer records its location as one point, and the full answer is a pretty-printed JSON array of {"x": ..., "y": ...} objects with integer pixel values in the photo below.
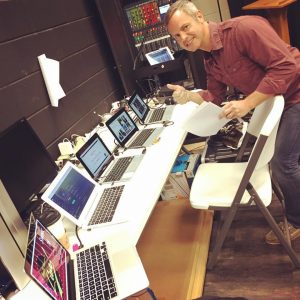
[{"x": 256, "y": 98}]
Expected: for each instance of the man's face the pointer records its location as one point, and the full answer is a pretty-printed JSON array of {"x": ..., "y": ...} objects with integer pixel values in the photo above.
[{"x": 188, "y": 31}]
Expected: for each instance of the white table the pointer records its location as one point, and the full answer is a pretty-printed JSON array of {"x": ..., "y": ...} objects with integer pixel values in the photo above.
[{"x": 143, "y": 190}]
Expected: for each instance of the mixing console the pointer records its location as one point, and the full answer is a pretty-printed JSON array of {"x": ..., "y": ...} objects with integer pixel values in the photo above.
[{"x": 145, "y": 19}]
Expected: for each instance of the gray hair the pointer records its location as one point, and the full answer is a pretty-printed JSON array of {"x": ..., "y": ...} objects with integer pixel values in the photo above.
[{"x": 186, "y": 6}]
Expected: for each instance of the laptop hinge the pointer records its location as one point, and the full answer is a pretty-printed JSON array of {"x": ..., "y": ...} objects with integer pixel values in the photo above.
[{"x": 71, "y": 280}]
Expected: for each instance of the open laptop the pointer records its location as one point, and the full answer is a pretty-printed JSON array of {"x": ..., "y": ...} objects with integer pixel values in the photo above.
[
  {"x": 100, "y": 163},
  {"x": 147, "y": 115},
  {"x": 102, "y": 271},
  {"x": 76, "y": 196},
  {"x": 127, "y": 133}
]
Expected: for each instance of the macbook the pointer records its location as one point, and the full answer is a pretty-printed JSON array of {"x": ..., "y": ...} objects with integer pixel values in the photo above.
[
  {"x": 127, "y": 133},
  {"x": 102, "y": 271},
  {"x": 76, "y": 196},
  {"x": 99, "y": 162},
  {"x": 147, "y": 115}
]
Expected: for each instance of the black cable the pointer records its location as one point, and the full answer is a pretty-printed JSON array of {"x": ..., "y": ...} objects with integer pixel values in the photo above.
[
  {"x": 151, "y": 293},
  {"x": 152, "y": 123},
  {"x": 220, "y": 12},
  {"x": 78, "y": 238},
  {"x": 136, "y": 147},
  {"x": 140, "y": 50},
  {"x": 138, "y": 295},
  {"x": 165, "y": 123}
]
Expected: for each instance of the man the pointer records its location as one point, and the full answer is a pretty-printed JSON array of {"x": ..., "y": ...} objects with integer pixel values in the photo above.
[{"x": 246, "y": 53}]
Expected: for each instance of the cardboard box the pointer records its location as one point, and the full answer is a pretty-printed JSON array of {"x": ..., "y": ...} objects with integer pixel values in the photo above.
[{"x": 181, "y": 177}]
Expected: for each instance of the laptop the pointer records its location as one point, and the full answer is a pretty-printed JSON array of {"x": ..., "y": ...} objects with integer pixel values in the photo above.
[
  {"x": 76, "y": 196},
  {"x": 127, "y": 133},
  {"x": 102, "y": 271},
  {"x": 102, "y": 166},
  {"x": 143, "y": 112}
]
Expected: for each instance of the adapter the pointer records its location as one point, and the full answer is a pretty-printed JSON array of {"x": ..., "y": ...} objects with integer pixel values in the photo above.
[{"x": 66, "y": 148}]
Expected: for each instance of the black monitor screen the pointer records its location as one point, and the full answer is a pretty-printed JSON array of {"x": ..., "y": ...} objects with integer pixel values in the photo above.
[{"x": 25, "y": 165}]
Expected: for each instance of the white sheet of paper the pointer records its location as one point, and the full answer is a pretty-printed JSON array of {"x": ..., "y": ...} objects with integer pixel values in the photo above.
[
  {"x": 204, "y": 120},
  {"x": 50, "y": 71}
]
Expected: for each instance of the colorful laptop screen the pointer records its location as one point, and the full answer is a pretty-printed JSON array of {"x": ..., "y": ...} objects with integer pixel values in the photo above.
[{"x": 49, "y": 263}]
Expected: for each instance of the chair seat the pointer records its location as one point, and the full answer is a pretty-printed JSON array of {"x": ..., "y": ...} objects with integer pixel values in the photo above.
[{"x": 211, "y": 190}]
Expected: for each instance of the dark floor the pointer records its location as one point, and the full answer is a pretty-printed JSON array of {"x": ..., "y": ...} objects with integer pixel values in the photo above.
[{"x": 250, "y": 268}]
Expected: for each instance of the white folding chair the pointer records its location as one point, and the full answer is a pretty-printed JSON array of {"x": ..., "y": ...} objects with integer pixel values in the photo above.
[{"x": 228, "y": 186}]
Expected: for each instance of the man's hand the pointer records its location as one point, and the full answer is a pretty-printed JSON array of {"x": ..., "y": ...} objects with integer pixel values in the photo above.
[
  {"x": 235, "y": 109},
  {"x": 182, "y": 96}
]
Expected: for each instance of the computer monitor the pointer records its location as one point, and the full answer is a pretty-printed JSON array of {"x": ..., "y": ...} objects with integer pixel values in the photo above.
[{"x": 25, "y": 165}]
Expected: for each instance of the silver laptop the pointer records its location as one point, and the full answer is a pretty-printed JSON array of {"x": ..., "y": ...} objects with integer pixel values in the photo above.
[
  {"x": 101, "y": 271},
  {"x": 147, "y": 115},
  {"x": 100, "y": 163},
  {"x": 79, "y": 198},
  {"x": 127, "y": 134}
]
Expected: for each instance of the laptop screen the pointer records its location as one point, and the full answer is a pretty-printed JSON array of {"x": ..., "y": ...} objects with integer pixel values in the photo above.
[
  {"x": 72, "y": 191},
  {"x": 121, "y": 126},
  {"x": 49, "y": 263},
  {"x": 94, "y": 156},
  {"x": 30, "y": 242},
  {"x": 139, "y": 107}
]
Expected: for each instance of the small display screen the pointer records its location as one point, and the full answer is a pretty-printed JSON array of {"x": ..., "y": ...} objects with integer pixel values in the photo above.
[
  {"x": 163, "y": 10},
  {"x": 122, "y": 126},
  {"x": 159, "y": 56},
  {"x": 72, "y": 192},
  {"x": 95, "y": 156},
  {"x": 138, "y": 106}
]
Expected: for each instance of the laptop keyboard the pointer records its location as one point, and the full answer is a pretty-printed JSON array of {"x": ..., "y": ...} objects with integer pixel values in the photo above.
[
  {"x": 107, "y": 204},
  {"x": 95, "y": 275},
  {"x": 118, "y": 169},
  {"x": 157, "y": 114},
  {"x": 142, "y": 137}
]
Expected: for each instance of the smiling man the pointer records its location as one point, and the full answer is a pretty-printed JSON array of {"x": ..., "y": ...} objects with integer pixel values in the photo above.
[{"x": 247, "y": 53}]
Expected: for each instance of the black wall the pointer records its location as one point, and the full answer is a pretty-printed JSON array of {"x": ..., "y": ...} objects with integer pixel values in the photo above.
[{"x": 71, "y": 32}]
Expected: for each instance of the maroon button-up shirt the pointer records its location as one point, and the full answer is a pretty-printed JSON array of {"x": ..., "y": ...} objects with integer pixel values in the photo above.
[{"x": 249, "y": 55}]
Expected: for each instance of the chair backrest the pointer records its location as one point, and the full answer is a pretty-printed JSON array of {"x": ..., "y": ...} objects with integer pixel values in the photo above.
[{"x": 264, "y": 125}]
